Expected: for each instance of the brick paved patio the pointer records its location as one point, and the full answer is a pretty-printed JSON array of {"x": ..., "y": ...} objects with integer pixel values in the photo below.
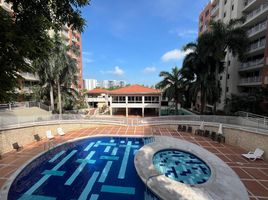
[{"x": 253, "y": 174}]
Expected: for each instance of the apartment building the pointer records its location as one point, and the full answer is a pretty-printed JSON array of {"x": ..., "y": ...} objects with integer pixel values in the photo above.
[
  {"x": 251, "y": 74},
  {"x": 70, "y": 37},
  {"x": 204, "y": 18},
  {"x": 90, "y": 84},
  {"x": 111, "y": 83}
]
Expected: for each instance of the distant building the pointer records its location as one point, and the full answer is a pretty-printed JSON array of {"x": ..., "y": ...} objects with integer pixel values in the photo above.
[
  {"x": 90, "y": 84},
  {"x": 111, "y": 83}
]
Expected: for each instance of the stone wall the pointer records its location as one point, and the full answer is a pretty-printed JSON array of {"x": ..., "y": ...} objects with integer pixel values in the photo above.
[
  {"x": 25, "y": 135},
  {"x": 241, "y": 138}
]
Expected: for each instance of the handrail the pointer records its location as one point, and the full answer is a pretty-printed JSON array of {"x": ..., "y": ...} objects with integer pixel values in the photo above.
[{"x": 250, "y": 122}]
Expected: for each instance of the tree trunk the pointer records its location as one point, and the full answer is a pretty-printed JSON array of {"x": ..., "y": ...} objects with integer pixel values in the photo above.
[
  {"x": 217, "y": 89},
  {"x": 59, "y": 97},
  {"x": 202, "y": 100},
  {"x": 51, "y": 98}
]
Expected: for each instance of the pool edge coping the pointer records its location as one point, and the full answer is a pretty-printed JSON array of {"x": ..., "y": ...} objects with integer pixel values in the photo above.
[{"x": 147, "y": 172}]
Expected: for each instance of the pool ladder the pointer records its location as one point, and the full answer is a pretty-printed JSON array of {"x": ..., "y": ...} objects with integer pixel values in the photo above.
[
  {"x": 49, "y": 145},
  {"x": 146, "y": 195}
]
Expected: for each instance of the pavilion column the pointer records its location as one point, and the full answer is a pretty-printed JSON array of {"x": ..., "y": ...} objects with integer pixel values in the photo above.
[
  {"x": 111, "y": 111},
  {"x": 126, "y": 106},
  {"x": 143, "y": 102},
  {"x": 142, "y": 111}
]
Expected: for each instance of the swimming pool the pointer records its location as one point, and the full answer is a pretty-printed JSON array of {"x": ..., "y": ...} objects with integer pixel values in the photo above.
[
  {"x": 93, "y": 169},
  {"x": 181, "y": 166}
]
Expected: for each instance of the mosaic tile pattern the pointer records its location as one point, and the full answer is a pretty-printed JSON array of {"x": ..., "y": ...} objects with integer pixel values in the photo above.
[{"x": 181, "y": 166}]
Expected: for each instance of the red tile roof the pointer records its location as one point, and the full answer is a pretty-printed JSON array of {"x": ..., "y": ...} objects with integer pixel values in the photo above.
[
  {"x": 135, "y": 89},
  {"x": 98, "y": 91}
]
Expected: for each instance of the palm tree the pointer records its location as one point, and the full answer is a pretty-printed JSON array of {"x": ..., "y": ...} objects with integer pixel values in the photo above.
[
  {"x": 223, "y": 37},
  {"x": 57, "y": 71},
  {"x": 172, "y": 86},
  {"x": 198, "y": 72}
]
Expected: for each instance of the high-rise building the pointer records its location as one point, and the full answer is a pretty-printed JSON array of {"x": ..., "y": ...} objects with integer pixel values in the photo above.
[
  {"x": 204, "y": 18},
  {"x": 90, "y": 84},
  {"x": 70, "y": 37},
  {"x": 111, "y": 83},
  {"x": 251, "y": 74}
]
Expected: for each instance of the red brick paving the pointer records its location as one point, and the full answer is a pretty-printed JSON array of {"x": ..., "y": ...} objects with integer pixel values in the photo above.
[{"x": 253, "y": 174}]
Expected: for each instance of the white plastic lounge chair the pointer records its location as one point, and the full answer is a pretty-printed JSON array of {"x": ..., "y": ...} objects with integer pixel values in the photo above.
[
  {"x": 257, "y": 154},
  {"x": 49, "y": 135},
  {"x": 60, "y": 131}
]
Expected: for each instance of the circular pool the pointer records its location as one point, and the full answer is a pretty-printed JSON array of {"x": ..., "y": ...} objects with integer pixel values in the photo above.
[{"x": 181, "y": 166}]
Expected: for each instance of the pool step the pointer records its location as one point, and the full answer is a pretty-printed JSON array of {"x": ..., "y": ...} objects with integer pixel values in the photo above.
[{"x": 148, "y": 140}]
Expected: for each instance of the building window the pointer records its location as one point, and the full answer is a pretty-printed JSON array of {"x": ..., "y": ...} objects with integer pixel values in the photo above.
[
  {"x": 225, "y": 1},
  {"x": 224, "y": 14},
  {"x": 228, "y": 76},
  {"x": 207, "y": 13},
  {"x": 220, "y": 77},
  {"x": 227, "y": 89},
  {"x": 229, "y": 62},
  {"x": 233, "y": 7}
]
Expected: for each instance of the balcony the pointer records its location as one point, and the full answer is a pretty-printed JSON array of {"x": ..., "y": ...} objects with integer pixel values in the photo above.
[
  {"x": 250, "y": 81},
  {"x": 257, "y": 30},
  {"x": 252, "y": 4},
  {"x": 257, "y": 47},
  {"x": 254, "y": 64},
  {"x": 65, "y": 34},
  {"x": 215, "y": 10},
  {"x": 256, "y": 15},
  {"x": 97, "y": 99}
]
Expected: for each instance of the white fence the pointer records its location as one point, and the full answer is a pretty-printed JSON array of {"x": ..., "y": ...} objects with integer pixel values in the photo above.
[
  {"x": 230, "y": 121},
  {"x": 26, "y": 104}
]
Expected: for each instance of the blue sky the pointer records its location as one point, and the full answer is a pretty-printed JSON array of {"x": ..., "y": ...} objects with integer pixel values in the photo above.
[{"x": 135, "y": 40}]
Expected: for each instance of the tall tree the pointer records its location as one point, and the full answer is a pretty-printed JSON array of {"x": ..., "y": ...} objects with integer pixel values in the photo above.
[
  {"x": 223, "y": 37},
  {"x": 58, "y": 70},
  {"x": 172, "y": 86},
  {"x": 24, "y": 35}
]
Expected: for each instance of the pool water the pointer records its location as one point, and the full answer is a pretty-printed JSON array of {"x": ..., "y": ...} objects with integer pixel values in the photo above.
[
  {"x": 93, "y": 169},
  {"x": 181, "y": 166}
]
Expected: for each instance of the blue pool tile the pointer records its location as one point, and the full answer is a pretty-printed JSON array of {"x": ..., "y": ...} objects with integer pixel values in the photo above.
[
  {"x": 56, "y": 156},
  {"x": 89, "y": 146},
  {"x": 53, "y": 172},
  {"x": 105, "y": 171},
  {"x": 109, "y": 157},
  {"x": 118, "y": 189},
  {"x": 107, "y": 149},
  {"x": 94, "y": 197},
  {"x": 114, "y": 152},
  {"x": 123, "y": 167},
  {"x": 90, "y": 183},
  {"x": 79, "y": 169}
]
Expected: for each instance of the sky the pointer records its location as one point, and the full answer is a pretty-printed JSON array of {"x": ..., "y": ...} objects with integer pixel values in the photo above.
[{"x": 135, "y": 40}]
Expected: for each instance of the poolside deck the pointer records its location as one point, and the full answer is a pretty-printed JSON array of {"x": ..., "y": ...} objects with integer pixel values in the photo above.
[{"x": 253, "y": 174}]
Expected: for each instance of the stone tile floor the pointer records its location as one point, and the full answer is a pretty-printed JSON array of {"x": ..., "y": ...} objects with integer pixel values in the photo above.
[{"x": 254, "y": 175}]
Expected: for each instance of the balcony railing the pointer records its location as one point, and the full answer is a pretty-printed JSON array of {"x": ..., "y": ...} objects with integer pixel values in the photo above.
[
  {"x": 258, "y": 28},
  {"x": 215, "y": 9},
  {"x": 257, "y": 45},
  {"x": 252, "y": 63},
  {"x": 253, "y": 79},
  {"x": 248, "y": 2},
  {"x": 256, "y": 12}
]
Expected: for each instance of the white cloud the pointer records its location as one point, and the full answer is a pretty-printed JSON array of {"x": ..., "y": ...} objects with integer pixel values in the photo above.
[
  {"x": 175, "y": 54},
  {"x": 148, "y": 70},
  {"x": 87, "y": 60},
  {"x": 117, "y": 71},
  {"x": 87, "y": 53}
]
